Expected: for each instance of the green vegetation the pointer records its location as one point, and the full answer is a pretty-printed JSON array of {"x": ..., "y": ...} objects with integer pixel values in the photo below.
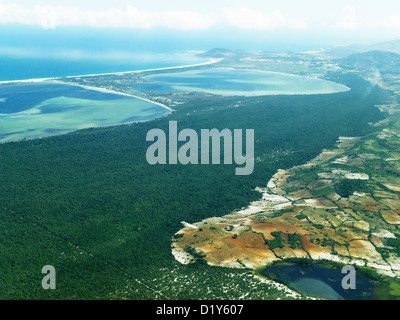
[
  {"x": 281, "y": 212},
  {"x": 89, "y": 204},
  {"x": 395, "y": 289},
  {"x": 198, "y": 257},
  {"x": 277, "y": 242},
  {"x": 306, "y": 175},
  {"x": 346, "y": 187},
  {"x": 395, "y": 243},
  {"x": 322, "y": 192},
  {"x": 301, "y": 216},
  {"x": 295, "y": 241},
  {"x": 325, "y": 242}
]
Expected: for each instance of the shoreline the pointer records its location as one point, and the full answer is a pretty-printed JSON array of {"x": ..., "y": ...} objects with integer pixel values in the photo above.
[
  {"x": 36, "y": 80},
  {"x": 100, "y": 89},
  {"x": 295, "y": 75},
  {"x": 104, "y": 90}
]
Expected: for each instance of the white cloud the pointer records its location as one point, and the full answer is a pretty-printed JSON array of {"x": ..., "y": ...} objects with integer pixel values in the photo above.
[
  {"x": 245, "y": 18},
  {"x": 393, "y": 22},
  {"x": 381, "y": 17},
  {"x": 187, "y": 20},
  {"x": 45, "y": 16},
  {"x": 131, "y": 17},
  {"x": 349, "y": 20}
]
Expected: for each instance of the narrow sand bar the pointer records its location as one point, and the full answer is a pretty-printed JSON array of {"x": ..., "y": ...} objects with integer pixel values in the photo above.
[
  {"x": 99, "y": 89},
  {"x": 112, "y": 92},
  {"x": 212, "y": 61}
]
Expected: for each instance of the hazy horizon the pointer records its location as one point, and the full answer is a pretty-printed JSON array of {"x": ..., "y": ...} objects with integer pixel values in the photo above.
[{"x": 79, "y": 28}]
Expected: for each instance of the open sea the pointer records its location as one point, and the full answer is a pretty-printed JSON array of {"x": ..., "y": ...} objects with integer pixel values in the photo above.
[
  {"x": 35, "y": 110},
  {"x": 22, "y": 68},
  {"x": 39, "y": 110},
  {"x": 29, "y": 53}
]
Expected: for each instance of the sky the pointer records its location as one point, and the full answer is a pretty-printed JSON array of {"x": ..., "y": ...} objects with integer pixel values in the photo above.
[{"x": 327, "y": 22}]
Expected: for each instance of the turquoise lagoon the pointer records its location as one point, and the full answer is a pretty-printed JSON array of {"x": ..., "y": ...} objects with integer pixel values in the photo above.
[
  {"x": 42, "y": 109},
  {"x": 231, "y": 82}
]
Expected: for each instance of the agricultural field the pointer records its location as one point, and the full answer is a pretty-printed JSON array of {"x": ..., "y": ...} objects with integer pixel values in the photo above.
[
  {"x": 100, "y": 213},
  {"x": 342, "y": 206}
]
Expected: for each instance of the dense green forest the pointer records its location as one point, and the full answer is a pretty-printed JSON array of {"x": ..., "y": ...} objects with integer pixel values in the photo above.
[{"x": 89, "y": 204}]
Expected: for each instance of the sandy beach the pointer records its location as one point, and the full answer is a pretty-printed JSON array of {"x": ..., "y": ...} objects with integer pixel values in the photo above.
[
  {"x": 58, "y": 80},
  {"x": 111, "y": 91},
  {"x": 212, "y": 61}
]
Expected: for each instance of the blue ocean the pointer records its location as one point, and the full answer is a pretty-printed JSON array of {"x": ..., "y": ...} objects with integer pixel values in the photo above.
[
  {"x": 21, "y": 68},
  {"x": 40, "y": 110},
  {"x": 29, "y": 53},
  {"x": 36, "y": 110},
  {"x": 32, "y": 52}
]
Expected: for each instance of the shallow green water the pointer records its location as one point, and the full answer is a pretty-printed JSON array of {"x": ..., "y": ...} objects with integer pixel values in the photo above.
[
  {"x": 318, "y": 288},
  {"x": 321, "y": 281},
  {"x": 40, "y": 110},
  {"x": 230, "y": 82}
]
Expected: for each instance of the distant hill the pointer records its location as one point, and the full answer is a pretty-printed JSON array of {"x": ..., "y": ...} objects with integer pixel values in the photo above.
[
  {"x": 345, "y": 51},
  {"x": 220, "y": 53},
  {"x": 384, "y": 61}
]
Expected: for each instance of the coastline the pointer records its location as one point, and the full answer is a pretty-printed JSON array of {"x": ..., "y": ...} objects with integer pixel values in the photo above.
[
  {"x": 99, "y": 89},
  {"x": 35, "y": 80},
  {"x": 294, "y": 75},
  {"x": 59, "y": 80},
  {"x": 212, "y": 61}
]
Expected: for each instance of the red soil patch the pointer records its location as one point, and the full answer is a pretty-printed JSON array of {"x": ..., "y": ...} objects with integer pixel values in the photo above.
[
  {"x": 267, "y": 228},
  {"x": 372, "y": 208}
]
